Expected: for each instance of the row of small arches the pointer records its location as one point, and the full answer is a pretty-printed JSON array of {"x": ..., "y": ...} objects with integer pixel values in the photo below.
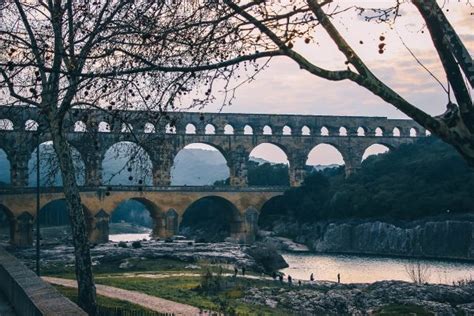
[{"x": 210, "y": 129}]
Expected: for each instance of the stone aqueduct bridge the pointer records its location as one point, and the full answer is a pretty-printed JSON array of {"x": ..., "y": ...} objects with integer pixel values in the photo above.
[{"x": 92, "y": 133}]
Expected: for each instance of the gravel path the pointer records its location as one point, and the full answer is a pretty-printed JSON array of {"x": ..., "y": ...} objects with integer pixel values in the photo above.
[{"x": 151, "y": 302}]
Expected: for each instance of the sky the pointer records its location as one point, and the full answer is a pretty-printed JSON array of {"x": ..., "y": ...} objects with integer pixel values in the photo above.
[{"x": 283, "y": 88}]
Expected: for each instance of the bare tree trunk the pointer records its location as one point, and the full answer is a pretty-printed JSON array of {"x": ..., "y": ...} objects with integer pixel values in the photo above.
[{"x": 84, "y": 276}]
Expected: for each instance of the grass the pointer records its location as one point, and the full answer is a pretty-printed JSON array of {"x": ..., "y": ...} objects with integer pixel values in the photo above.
[
  {"x": 184, "y": 290},
  {"x": 102, "y": 300},
  {"x": 399, "y": 309},
  {"x": 181, "y": 289},
  {"x": 162, "y": 266}
]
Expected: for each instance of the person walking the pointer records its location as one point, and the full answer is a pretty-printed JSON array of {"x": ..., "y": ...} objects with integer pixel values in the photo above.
[
  {"x": 243, "y": 270},
  {"x": 338, "y": 278},
  {"x": 290, "y": 280},
  {"x": 281, "y": 278},
  {"x": 235, "y": 271},
  {"x": 311, "y": 277}
]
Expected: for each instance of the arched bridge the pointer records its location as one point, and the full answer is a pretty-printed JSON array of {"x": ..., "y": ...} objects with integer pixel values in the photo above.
[
  {"x": 93, "y": 132},
  {"x": 165, "y": 204},
  {"x": 162, "y": 136}
]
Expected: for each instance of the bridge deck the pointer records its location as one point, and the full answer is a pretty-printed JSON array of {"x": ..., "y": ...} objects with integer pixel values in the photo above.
[{"x": 122, "y": 188}]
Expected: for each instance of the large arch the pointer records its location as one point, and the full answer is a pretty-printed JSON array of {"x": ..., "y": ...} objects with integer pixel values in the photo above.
[
  {"x": 324, "y": 156},
  {"x": 50, "y": 173},
  {"x": 375, "y": 149},
  {"x": 268, "y": 164},
  {"x": 199, "y": 164},
  {"x": 210, "y": 219},
  {"x": 272, "y": 213},
  {"x": 54, "y": 221},
  {"x": 134, "y": 219},
  {"x": 5, "y": 176},
  {"x": 126, "y": 163}
]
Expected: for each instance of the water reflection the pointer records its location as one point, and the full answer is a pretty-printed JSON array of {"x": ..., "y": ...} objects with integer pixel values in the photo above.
[
  {"x": 361, "y": 269},
  {"x": 129, "y": 237}
]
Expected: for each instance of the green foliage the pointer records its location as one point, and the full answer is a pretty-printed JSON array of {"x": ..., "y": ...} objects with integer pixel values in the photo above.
[
  {"x": 400, "y": 309},
  {"x": 267, "y": 174},
  {"x": 427, "y": 178}
]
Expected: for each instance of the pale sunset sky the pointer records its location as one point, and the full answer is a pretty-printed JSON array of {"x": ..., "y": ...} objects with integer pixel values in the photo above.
[{"x": 283, "y": 88}]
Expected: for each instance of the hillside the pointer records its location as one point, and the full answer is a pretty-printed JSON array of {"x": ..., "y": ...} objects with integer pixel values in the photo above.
[{"x": 424, "y": 179}]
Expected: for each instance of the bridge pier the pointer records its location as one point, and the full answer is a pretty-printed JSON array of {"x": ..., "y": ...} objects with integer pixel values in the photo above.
[
  {"x": 167, "y": 224},
  {"x": 244, "y": 230},
  {"x": 238, "y": 168},
  {"x": 21, "y": 230},
  {"x": 98, "y": 228}
]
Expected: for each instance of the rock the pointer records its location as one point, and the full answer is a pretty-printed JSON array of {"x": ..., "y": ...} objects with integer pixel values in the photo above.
[
  {"x": 284, "y": 244},
  {"x": 449, "y": 239},
  {"x": 192, "y": 267},
  {"x": 365, "y": 299},
  {"x": 267, "y": 257},
  {"x": 126, "y": 264},
  {"x": 228, "y": 253}
]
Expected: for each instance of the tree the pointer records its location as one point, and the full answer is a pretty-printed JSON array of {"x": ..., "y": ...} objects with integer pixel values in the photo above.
[
  {"x": 274, "y": 26},
  {"x": 58, "y": 55}
]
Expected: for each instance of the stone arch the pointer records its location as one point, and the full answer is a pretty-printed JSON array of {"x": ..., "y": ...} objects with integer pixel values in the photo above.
[
  {"x": 103, "y": 127},
  {"x": 6, "y": 125},
  {"x": 272, "y": 213},
  {"x": 31, "y": 125},
  {"x": 361, "y": 131},
  {"x": 210, "y": 129},
  {"x": 414, "y": 132},
  {"x": 267, "y": 130},
  {"x": 342, "y": 131},
  {"x": 305, "y": 131},
  {"x": 80, "y": 127},
  {"x": 127, "y": 163},
  {"x": 286, "y": 130},
  {"x": 140, "y": 212},
  {"x": 50, "y": 173},
  {"x": 325, "y": 155},
  {"x": 190, "y": 128},
  {"x": 277, "y": 156},
  {"x": 375, "y": 149},
  {"x": 396, "y": 132},
  {"x": 192, "y": 162},
  {"x": 228, "y": 129},
  {"x": 211, "y": 218},
  {"x": 149, "y": 128},
  {"x": 248, "y": 130},
  {"x": 324, "y": 131},
  {"x": 5, "y": 168},
  {"x": 7, "y": 224},
  {"x": 379, "y": 132}
]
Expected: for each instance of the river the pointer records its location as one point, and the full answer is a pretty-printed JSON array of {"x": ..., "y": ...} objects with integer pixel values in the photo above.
[
  {"x": 356, "y": 269},
  {"x": 368, "y": 269}
]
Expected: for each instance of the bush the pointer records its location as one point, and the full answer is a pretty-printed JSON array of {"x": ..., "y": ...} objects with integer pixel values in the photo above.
[
  {"x": 136, "y": 244},
  {"x": 123, "y": 244}
]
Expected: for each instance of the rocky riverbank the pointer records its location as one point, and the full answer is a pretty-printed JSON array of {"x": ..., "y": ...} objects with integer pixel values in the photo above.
[
  {"x": 448, "y": 239},
  {"x": 260, "y": 257},
  {"x": 400, "y": 298}
]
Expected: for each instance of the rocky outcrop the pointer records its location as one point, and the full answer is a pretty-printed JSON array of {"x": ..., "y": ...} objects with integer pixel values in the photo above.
[
  {"x": 451, "y": 239},
  {"x": 267, "y": 257},
  {"x": 187, "y": 251},
  {"x": 401, "y": 298}
]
